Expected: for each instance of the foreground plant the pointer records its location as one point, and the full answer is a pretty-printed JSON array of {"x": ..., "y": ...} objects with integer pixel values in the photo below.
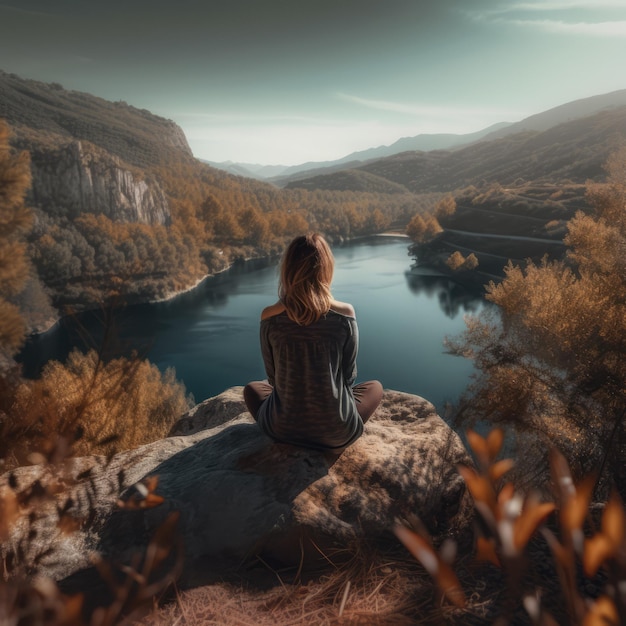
[
  {"x": 27, "y": 599},
  {"x": 510, "y": 521}
]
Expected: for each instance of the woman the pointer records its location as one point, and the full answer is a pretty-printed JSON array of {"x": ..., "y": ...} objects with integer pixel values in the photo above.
[{"x": 309, "y": 343}]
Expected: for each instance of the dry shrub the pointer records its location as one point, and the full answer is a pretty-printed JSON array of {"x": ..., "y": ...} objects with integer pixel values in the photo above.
[{"x": 95, "y": 407}]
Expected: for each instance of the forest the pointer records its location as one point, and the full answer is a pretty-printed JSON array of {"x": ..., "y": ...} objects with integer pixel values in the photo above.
[{"x": 83, "y": 259}]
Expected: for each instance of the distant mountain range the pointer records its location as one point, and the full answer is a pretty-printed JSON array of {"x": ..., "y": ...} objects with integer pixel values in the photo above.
[
  {"x": 571, "y": 152},
  {"x": 283, "y": 175}
]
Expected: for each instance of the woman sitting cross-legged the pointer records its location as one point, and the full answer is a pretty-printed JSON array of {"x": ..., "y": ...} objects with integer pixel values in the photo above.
[{"x": 309, "y": 343}]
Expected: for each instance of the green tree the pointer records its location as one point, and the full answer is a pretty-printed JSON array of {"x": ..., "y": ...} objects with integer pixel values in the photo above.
[{"x": 553, "y": 362}]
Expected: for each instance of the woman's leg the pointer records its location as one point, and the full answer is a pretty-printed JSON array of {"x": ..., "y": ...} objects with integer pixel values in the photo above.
[
  {"x": 368, "y": 396},
  {"x": 254, "y": 393}
]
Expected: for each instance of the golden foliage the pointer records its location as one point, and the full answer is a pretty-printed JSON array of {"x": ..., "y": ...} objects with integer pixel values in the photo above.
[
  {"x": 511, "y": 520},
  {"x": 445, "y": 207},
  {"x": 97, "y": 407},
  {"x": 456, "y": 261},
  {"x": 554, "y": 361},
  {"x": 14, "y": 220},
  {"x": 423, "y": 228}
]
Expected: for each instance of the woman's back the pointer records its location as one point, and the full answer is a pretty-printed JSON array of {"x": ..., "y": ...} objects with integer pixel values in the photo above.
[{"x": 312, "y": 369}]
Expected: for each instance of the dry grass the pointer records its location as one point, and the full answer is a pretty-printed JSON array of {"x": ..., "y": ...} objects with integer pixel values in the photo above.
[{"x": 372, "y": 589}]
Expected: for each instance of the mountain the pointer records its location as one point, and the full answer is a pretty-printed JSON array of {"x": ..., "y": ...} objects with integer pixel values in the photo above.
[
  {"x": 283, "y": 174},
  {"x": 279, "y": 173},
  {"x": 136, "y": 136},
  {"x": 564, "y": 113},
  {"x": 249, "y": 170},
  {"x": 573, "y": 151},
  {"x": 423, "y": 142},
  {"x": 123, "y": 211},
  {"x": 570, "y": 111},
  {"x": 88, "y": 154}
]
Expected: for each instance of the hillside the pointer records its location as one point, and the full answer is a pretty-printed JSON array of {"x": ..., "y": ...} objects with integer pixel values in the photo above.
[
  {"x": 125, "y": 213},
  {"x": 545, "y": 120},
  {"x": 567, "y": 112},
  {"x": 570, "y": 152},
  {"x": 513, "y": 194},
  {"x": 41, "y": 112}
]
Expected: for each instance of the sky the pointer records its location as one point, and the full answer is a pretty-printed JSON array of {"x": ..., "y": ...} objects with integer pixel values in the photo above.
[{"x": 291, "y": 81}]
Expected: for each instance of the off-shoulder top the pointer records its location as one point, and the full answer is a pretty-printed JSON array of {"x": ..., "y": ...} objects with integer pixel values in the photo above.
[{"x": 312, "y": 369}]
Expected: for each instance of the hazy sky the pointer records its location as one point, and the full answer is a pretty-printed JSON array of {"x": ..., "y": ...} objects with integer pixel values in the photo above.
[{"x": 289, "y": 81}]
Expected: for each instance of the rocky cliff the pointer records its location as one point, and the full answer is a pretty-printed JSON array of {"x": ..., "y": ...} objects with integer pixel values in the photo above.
[
  {"x": 81, "y": 178},
  {"x": 237, "y": 494}
]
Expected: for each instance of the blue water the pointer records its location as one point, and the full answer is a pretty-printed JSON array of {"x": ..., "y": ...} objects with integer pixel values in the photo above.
[{"x": 210, "y": 335}]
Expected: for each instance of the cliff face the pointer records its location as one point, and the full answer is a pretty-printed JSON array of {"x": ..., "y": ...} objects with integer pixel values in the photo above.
[{"x": 80, "y": 178}]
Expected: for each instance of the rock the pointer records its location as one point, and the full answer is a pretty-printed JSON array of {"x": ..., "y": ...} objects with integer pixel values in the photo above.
[
  {"x": 79, "y": 177},
  {"x": 239, "y": 494}
]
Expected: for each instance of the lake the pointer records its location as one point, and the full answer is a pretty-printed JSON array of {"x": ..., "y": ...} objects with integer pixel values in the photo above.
[{"x": 210, "y": 335}]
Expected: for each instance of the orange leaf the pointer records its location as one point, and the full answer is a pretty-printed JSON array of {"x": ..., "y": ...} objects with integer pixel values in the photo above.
[
  {"x": 9, "y": 512},
  {"x": 613, "y": 521},
  {"x": 506, "y": 493},
  {"x": 602, "y": 613},
  {"x": 495, "y": 439},
  {"x": 480, "y": 487},
  {"x": 486, "y": 551},
  {"x": 500, "y": 468},
  {"x": 418, "y": 547},
  {"x": 575, "y": 508},
  {"x": 479, "y": 446},
  {"x": 440, "y": 571},
  {"x": 527, "y": 523},
  {"x": 597, "y": 550}
]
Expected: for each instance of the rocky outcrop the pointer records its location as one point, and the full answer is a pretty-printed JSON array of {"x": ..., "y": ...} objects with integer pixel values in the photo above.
[
  {"x": 80, "y": 178},
  {"x": 238, "y": 494}
]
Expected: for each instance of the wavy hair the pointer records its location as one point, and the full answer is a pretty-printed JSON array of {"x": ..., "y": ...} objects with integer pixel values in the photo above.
[{"x": 305, "y": 276}]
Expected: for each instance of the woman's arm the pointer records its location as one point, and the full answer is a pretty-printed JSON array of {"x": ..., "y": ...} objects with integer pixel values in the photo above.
[
  {"x": 350, "y": 351},
  {"x": 266, "y": 351}
]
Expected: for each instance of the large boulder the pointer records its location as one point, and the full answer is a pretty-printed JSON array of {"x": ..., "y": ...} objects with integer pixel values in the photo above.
[{"x": 238, "y": 494}]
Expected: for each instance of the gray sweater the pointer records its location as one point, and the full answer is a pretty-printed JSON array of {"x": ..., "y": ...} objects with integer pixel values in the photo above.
[{"x": 312, "y": 369}]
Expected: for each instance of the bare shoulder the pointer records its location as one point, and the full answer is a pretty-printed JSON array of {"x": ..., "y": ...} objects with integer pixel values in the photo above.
[
  {"x": 273, "y": 309},
  {"x": 344, "y": 308}
]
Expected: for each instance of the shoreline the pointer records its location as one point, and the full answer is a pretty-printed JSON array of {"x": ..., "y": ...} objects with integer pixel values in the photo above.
[{"x": 172, "y": 295}]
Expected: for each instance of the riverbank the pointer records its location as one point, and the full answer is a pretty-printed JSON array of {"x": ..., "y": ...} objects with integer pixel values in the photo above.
[{"x": 171, "y": 295}]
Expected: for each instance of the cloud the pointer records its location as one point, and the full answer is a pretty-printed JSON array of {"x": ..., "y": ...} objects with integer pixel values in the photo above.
[
  {"x": 28, "y": 12},
  {"x": 420, "y": 110},
  {"x": 607, "y": 22},
  {"x": 560, "y": 5},
  {"x": 593, "y": 29}
]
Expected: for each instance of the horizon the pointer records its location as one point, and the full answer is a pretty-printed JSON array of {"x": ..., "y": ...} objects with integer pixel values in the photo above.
[{"x": 280, "y": 84}]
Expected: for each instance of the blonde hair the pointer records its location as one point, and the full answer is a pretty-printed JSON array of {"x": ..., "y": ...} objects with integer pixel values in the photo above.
[{"x": 305, "y": 276}]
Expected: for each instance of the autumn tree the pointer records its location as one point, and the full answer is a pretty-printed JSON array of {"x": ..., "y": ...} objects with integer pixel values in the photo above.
[
  {"x": 552, "y": 363},
  {"x": 457, "y": 262},
  {"x": 423, "y": 228},
  {"x": 445, "y": 207},
  {"x": 15, "y": 219}
]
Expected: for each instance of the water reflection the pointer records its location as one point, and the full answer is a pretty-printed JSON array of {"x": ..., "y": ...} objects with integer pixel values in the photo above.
[{"x": 453, "y": 296}]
